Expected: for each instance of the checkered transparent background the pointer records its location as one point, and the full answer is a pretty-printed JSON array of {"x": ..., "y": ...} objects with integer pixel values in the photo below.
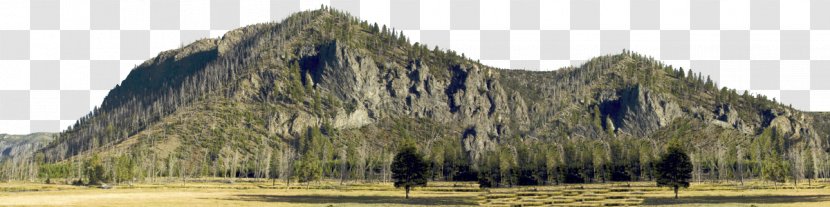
[{"x": 58, "y": 59}]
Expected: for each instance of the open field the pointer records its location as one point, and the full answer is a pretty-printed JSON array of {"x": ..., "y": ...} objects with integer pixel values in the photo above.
[
  {"x": 646, "y": 194},
  {"x": 240, "y": 193},
  {"x": 255, "y": 193},
  {"x": 753, "y": 193}
]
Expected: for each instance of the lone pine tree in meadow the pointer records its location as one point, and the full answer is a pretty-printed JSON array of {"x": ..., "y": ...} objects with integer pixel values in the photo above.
[
  {"x": 674, "y": 169},
  {"x": 409, "y": 169}
]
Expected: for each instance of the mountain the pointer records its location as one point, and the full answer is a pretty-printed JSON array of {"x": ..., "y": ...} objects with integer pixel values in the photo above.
[
  {"x": 324, "y": 87},
  {"x": 22, "y": 145},
  {"x": 16, "y": 153}
]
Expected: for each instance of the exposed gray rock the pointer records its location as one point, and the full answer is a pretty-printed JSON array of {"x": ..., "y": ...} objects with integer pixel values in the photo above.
[
  {"x": 641, "y": 112},
  {"x": 22, "y": 145}
]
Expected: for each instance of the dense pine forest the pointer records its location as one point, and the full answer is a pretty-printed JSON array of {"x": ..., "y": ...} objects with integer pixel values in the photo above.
[{"x": 324, "y": 95}]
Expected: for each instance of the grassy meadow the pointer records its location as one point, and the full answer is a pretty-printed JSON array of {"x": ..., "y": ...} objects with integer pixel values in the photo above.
[{"x": 217, "y": 192}]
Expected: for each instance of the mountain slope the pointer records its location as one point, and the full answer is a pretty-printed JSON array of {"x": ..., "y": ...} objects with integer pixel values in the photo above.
[
  {"x": 22, "y": 145},
  {"x": 323, "y": 83},
  {"x": 17, "y": 153}
]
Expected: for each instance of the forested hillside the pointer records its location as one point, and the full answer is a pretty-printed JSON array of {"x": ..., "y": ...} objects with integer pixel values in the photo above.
[
  {"x": 325, "y": 95},
  {"x": 17, "y": 154}
]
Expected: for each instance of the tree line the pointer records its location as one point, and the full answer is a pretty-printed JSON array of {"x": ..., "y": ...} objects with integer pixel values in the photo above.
[{"x": 519, "y": 161}]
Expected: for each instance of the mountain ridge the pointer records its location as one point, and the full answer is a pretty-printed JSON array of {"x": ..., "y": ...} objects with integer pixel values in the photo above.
[{"x": 322, "y": 82}]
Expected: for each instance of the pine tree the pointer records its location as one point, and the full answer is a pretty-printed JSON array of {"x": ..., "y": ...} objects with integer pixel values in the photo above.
[
  {"x": 308, "y": 169},
  {"x": 488, "y": 174},
  {"x": 507, "y": 166},
  {"x": 809, "y": 167},
  {"x": 409, "y": 169},
  {"x": 674, "y": 169},
  {"x": 597, "y": 118},
  {"x": 774, "y": 169},
  {"x": 95, "y": 171}
]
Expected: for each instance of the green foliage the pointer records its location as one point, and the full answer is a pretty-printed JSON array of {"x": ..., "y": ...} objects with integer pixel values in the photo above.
[
  {"x": 55, "y": 170},
  {"x": 308, "y": 169},
  {"x": 507, "y": 167},
  {"x": 675, "y": 168},
  {"x": 124, "y": 168},
  {"x": 94, "y": 170},
  {"x": 553, "y": 163},
  {"x": 597, "y": 118},
  {"x": 768, "y": 151},
  {"x": 409, "y": 169},
  {"x": 774, "y": 169},
  {"x": 809, "y": 166},
  {"x": 313, "y": 147},
  {"x": 296, "y": 90},
  {"x": 489, "y": 174}
]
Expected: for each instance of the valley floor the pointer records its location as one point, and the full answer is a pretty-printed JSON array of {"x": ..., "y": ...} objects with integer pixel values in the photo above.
[
  {"x": 752, "y": 194},
  {"x": 263, "y": 193}
]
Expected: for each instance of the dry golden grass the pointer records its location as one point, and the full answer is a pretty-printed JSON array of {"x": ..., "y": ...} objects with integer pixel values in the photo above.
[
  {"x": 215, "y": 192},
  {"x": 235, "y": 194},
  {"x": 750, "y": 194}
]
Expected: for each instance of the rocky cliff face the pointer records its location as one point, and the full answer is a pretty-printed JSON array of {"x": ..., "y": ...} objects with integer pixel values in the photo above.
[
  {"x": 470, "y": 97},
  {"x": 481, "y": 111},
  {"x": 638, "y": 111}
]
